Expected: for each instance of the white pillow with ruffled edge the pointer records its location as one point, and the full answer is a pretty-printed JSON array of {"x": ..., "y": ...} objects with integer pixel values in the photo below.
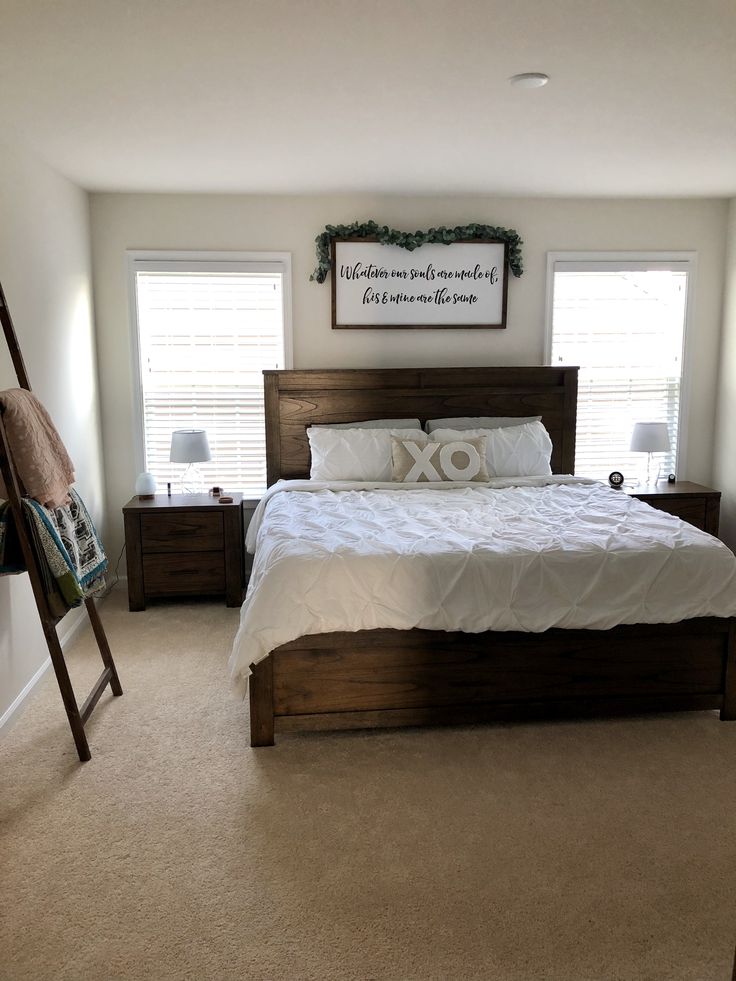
[
  {"x": 373, "y": 424},
  {"x": 513, "y": 451},
  {"x": 354, "y": 454},
  {"x": 463, "y": 423}
]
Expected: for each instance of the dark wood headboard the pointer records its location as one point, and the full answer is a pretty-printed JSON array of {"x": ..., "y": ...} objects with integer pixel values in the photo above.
[{"x": 298, "y": 399}]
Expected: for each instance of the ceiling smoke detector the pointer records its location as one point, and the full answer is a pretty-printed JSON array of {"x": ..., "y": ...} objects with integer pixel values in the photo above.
[{"x": 529, "y": 80}]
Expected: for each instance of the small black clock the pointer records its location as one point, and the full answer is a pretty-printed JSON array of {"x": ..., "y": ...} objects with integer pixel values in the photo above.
[{"x": 616, "y": 479}]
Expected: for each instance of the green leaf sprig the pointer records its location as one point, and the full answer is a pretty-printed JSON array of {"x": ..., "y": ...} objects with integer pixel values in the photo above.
[{"x": 413, "y": 240}]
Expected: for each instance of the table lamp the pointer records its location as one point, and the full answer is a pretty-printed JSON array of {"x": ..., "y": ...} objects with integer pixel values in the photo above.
[
  {"x": 190, "y": 446},
  {"x": 649, "y": 438}
]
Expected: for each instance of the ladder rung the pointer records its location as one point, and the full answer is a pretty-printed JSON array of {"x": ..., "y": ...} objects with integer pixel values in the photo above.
[{"x": 94, "y": 696}]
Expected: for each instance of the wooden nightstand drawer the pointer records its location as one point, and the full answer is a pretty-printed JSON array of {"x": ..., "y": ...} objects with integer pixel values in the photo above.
[
  {"x": 190, "y": 573},
  {"x": 181, "y": 531},
  {"x": 698, "y": 505},
  {"x": 691, "y": 511}
]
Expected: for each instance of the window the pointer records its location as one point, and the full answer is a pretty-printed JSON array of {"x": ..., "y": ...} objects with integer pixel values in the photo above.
[
  {"x": 622, "y": 320},
  {"x": 205, "y": 328}
]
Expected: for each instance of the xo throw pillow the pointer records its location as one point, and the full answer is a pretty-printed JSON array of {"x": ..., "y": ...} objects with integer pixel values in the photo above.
[{"x": 459, "y": 459}]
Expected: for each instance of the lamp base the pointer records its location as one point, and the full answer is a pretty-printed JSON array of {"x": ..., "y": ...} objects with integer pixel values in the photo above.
[
  {"x": 652, "y": 469},
  {"x": 191, "y": 480}
]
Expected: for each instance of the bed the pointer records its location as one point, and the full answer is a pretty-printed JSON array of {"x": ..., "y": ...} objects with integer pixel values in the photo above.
[{"x": 346, "y": 679}]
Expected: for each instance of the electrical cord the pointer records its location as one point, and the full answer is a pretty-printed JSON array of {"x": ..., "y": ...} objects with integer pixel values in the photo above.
[{"x": 113, "y": 584}]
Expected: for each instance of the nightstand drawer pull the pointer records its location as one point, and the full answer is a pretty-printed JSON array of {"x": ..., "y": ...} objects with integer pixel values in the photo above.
[{"x": 190, "y": 532}]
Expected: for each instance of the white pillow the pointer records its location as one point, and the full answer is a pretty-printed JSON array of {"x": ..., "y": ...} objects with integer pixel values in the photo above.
[
  {"x": 478, "y": 422},
  {"x": 354, "y": 454},
  {"x": 513, "y": 451},
  {"x": 374, "y": 424}
]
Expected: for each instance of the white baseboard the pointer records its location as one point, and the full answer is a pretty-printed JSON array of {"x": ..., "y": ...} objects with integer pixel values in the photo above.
[
  {"x": 67, "y": 636},
  {"x": 65, "y": 639},
  {"x": 14, "y": 708}
]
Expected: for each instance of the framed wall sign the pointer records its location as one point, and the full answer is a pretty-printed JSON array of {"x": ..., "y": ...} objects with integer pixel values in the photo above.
[{"x": 464, "y": 284}]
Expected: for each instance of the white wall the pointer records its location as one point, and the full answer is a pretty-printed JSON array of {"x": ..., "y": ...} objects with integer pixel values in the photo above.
[
  {"x": 236, "y": 222},
  {"x": 724, "y": 457},
  {"x": 45, "y": 272}
]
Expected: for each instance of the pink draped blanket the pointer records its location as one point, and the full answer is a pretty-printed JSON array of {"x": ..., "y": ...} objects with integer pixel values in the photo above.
[{"x": 41, "y": 460}]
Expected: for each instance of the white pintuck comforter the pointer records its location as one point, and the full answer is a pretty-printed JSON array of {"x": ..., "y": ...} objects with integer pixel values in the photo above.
[{"x": 525, "y": 554}]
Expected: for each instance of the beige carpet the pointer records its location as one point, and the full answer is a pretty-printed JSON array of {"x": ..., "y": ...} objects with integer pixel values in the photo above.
[{"x": 592, "y": 850}]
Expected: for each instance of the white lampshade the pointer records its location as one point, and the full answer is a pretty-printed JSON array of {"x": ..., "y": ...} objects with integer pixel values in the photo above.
[
  {"x": 189, "y": 446},
  {"x": 650, "y": 437}
]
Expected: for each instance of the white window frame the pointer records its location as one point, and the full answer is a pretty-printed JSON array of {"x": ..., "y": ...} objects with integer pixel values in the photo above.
[
  {"x": 170, "y": 260},
  {"x": 644, "y": 261}
]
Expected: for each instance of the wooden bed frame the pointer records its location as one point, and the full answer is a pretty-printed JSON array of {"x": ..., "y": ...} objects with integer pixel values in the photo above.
[{"x": 377, "y": 678}]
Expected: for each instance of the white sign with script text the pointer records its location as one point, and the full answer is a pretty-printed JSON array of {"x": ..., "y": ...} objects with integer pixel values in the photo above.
[{"x": 457, "y": 285}]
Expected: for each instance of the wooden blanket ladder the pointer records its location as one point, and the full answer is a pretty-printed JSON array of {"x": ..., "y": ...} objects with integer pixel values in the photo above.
[{"x": 77, "y": 716}]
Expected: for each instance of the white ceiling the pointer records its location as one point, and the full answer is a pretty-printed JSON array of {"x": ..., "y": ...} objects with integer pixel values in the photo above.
[{"x": 375, "y": 95}]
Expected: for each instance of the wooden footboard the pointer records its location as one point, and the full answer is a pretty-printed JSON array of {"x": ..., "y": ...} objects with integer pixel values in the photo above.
[{"x": 379, "y": 678}]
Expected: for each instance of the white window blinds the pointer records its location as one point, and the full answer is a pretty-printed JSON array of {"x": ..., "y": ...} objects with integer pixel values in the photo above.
[
  {"x": 206, "y": 331},
  {"x": 624, "y": 326}
]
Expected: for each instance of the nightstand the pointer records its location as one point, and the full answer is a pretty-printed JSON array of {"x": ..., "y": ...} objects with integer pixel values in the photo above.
[
  {"x": 699, "y": 505},
  {"x": 184, "y": 545}
]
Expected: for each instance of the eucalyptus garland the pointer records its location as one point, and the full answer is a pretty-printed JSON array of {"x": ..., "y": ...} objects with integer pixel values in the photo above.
[{"x": 412, "y": 240}]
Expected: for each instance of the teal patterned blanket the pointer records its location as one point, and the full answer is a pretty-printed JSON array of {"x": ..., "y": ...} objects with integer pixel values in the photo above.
[{"x": 73, "y": 559}]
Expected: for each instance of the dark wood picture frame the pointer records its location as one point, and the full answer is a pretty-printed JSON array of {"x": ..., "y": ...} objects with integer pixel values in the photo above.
[{"x": 422, "y": 326}]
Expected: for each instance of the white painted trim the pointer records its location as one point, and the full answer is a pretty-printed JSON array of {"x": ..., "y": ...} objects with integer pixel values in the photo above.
[
  {"x": 642, "y": 260},
  {"x": 286, "y": 300},
  {"x": 687, "y": 360},
  {"x": 12, "y": 712},
  {"x": 548, "y": 305},
  {"x": 67, "y": 637},
  {"x": 136, "y": 402},
  {"x": 162, "y": 257}
]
